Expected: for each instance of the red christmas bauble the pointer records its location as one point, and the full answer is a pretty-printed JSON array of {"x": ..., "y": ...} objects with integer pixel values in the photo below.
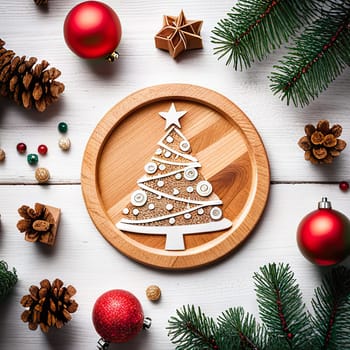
[
  {"x": 92, "y": 29},
  {"x": 323, "y": 235},
  {"x": 117, "y": 316}
]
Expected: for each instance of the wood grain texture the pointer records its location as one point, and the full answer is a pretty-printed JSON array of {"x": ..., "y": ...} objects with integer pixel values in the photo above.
[{"x": 223, "y": 139}]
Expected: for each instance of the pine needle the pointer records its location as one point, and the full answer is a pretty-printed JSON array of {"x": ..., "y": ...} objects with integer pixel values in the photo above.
[
  {"x": 318, "y": 56},
  {"x": 280, "y": 305},
  {"x": 331, "y": 306},
  {"x": 241, "y": 328},
  {"x": 286, "y": 324},
  {"x": 192, "y": 330},
  {"x": 254, "y": 28}
]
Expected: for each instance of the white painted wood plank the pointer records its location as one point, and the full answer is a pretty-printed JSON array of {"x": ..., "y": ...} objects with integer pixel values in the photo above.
[
  {"x": 83, "y": 258},
  {"x": 92, "y": 88}
]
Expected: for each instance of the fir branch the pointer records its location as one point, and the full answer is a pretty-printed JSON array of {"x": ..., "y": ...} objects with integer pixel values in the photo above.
[
  {"x": 319, "y": 55},
  {"x": 192, "y": 330},
  {"x": 331, "y": 306},
  {"x": 286, "y": 323},
  {"x": 254, "y": 28},
  {"x": 7, "y": 279},
  {"x": 280, "y": 305},
  {"x": 241, "y": 329}
]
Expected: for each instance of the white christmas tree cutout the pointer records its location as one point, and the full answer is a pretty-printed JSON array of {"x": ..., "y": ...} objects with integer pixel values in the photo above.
[{"x": 173, "y": 198}]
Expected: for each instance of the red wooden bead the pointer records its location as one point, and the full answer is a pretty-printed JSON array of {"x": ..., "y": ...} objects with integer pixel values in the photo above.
[
  {"x": 344, "y": 186},
  {"x": 42, "y": 149},
  {"x": 21, "y": 147}
]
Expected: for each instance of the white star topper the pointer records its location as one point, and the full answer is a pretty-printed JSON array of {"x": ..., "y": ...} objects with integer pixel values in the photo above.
[{"x": 172, "y": 116}]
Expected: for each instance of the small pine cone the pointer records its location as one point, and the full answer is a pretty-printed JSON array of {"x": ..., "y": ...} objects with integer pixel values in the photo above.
[
  {"x": 49, "y": 305},
  {"x": 39, "y": 224},
  {"x": 28, "y": 84},
  {"x": 41, "y": 2},
  {"x": 321, "y": 143}
]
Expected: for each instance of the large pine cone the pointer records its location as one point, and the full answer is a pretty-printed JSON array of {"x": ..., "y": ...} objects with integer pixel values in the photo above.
[
  {"x": 28, "y": 84},
  {"x": 48, "y": 306},
  {"x": 321, "y": 143}
]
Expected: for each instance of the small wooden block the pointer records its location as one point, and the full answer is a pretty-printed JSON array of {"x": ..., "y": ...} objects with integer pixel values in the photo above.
[
  {"x": 50, "y": 237},
  {"x": 56, "y": 213}
]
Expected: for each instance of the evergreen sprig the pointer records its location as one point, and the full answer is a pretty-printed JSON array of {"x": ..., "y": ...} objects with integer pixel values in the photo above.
[
  {"x": 254, "y": 28},
  {"x": 192, "y": 329},
  {"x": 286, "y": 323},
  {"x": 238, "y": 327},
  {"x": 318, "y": 56},
  {"x": 331, "y": 307},
  {"x": 7, "y": 279},
  {"x": 281, "y": 307}
]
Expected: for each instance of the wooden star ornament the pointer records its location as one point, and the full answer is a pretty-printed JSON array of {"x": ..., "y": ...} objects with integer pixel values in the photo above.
[{"x": 179, "y": 34}]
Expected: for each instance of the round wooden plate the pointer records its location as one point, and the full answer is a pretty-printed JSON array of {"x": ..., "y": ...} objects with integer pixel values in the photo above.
[{"x": 222, "y": 138}]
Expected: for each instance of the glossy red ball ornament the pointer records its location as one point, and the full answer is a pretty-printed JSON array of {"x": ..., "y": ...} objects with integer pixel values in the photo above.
[
  {"x": 323, "y": 235},
  {"x": 92, "y": 30},
  {"x": 118, "y": 316}
]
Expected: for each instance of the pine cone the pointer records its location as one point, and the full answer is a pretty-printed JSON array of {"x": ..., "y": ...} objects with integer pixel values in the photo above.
[
  {"x": 49, "y": 306},
  {"x": 41, "y": 2},
  {"x": 321, "y": 144},
  {"x": 28, "y": 84},
  {"x": 39, "y": 224}
]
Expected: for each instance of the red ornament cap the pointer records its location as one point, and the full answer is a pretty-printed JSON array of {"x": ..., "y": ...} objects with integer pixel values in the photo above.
[
  {"x": 118, "y": 316},
  {"x": 323, "y": 236},
  {"x": 92, "y": 30}
]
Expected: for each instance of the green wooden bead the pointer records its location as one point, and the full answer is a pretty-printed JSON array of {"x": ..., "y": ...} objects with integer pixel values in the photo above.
[
  {"x": 62, "y": 127},
  {"x": 32, "y": 158}
]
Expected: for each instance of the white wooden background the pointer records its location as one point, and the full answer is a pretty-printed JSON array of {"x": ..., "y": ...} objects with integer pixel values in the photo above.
[{"x": 81, "y": 256}]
